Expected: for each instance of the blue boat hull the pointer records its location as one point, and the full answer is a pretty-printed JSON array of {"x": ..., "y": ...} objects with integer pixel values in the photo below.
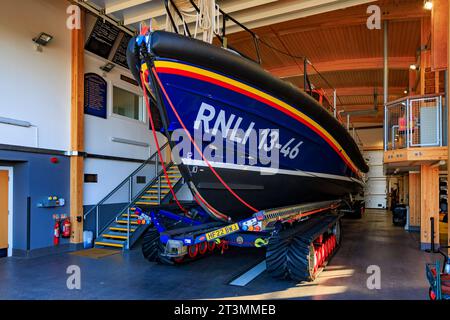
[{"x": 242, "y": 148}]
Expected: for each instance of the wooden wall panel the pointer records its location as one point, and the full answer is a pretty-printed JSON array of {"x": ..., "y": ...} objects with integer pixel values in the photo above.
[
  {"x": 429, "y": 204},
  {"x": 414, "y": 199}
]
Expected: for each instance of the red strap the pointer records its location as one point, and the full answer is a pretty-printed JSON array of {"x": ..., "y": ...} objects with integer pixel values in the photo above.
[
  {"x": 197, "y": 148},
  {"x": 157, "y": 146}
]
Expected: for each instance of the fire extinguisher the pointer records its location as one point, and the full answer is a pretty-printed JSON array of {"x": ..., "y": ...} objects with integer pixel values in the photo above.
[
  {"x": 66, "y": 228},
  {"x": 56, "y": 232}
]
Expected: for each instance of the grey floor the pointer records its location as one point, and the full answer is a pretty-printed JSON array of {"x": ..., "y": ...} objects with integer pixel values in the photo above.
[{"x": 370, "y": 241}]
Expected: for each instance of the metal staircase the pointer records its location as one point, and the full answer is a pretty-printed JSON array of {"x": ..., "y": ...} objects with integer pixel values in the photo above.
[{"x": 134, "y": 192}]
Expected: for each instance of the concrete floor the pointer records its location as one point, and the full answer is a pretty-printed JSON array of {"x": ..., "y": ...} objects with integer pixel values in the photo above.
[{"x": 370, "y": 241}]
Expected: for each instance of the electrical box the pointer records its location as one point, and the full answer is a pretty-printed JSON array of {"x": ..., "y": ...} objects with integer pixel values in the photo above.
[{"x": 51, "y": 202}]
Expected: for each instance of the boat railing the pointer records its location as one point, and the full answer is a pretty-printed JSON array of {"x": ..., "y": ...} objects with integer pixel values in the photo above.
[{"x": 415, "y": 121}]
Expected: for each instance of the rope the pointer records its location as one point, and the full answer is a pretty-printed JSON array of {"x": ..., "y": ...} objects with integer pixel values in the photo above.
[
  {"x": 158, "y": 147},
  {"x": 207, "y": 20},
  {"x": 197, "y": 148}
]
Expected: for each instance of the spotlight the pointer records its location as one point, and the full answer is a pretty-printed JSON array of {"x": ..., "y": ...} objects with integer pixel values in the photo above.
[
  {"x": 43, "y": 39},
  {"x": 428, "y": 4},
  {"x": 405, "y": 92},
  {"x": 108, "y": 67}
]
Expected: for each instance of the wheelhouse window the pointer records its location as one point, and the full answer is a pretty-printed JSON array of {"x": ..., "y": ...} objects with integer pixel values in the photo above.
[{"x": 128, "y": 104}]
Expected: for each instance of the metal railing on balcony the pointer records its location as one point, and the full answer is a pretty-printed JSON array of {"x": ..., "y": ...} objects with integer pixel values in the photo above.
[{"x": 415, "y": 121}]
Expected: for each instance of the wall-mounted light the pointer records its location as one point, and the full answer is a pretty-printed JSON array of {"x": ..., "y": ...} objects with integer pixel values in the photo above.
[
  {"x": 42, "y": 40},
  {"x": 413, "y": 67},
  {"x": 108, "y": 67},
  {"x": 428, "y": 4},
  {"x": 405, "y": 92}
]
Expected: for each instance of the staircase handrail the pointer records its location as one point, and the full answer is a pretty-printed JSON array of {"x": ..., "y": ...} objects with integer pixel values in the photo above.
[
  {"x": 136, "y": 197},
  {"x": 120, "y": 185}
]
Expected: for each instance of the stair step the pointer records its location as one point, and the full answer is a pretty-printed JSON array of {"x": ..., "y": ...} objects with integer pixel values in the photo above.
[
  {"x": 147, "y": 203},
  {"x": 109, "y": 243},
  {"x": 121, "y": 228},
  {"x": 131, "y": 215},
  {"x": 156, "y": 192},
  {"x": 149, "y": 197},
  {"x": 115, "y": 235},
  {"x": 165, "y": 183},
  {"x": 162, "y": 186},
  {"x": 134, "y": 222}
]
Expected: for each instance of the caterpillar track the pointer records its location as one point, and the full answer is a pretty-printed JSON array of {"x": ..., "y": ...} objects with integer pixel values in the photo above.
[{"x": 300, "y": 252}]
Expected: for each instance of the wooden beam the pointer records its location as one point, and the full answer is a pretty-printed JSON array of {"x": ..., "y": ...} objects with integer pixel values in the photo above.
[
  {"x": 439, "y": 35},
  {"x": 158, "y": 10},
  {"x": 77, "y": 133},
  {"x": 448, "y": 122},
  {"x": 414, "y": 199},
  {"x": 418, "y": 155},
  {"x": 366, "y": 91},
  {"x": 395, "y": 63},
  {"x": 429, "y": 205},
  {"x": 122, "y": 5},
  {"x": 352, "y": 13},
  {"x": 424, "y": 54},
  {"x": 155, "y": 9},
  {"x": 291, "y": 11}
]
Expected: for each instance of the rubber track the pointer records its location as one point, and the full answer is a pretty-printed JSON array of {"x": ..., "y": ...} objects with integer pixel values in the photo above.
[
  {"x": 287, "y": 255},
  {"x": 152, "y": 248}
]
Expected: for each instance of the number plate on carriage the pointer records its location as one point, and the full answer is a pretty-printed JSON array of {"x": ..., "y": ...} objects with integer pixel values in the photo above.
[{"x": 222, "y": 232}]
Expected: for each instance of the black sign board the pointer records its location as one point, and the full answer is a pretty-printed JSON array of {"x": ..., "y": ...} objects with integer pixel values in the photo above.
[
  {"x": 129, "y": 80},
  {"x": 95, "y": 95},
  {"x": 120, "y": 57},
  {"x": 102, "y": 38}
]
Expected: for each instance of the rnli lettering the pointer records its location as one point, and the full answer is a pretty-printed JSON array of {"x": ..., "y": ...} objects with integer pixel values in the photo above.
[{"x": 213, "y": 122}]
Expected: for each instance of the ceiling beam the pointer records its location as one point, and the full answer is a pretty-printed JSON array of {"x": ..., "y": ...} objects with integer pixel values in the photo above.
[
  {"x": 345, "y": 65},
  {"x": 155, "y": 10},
  {"x": 282, "y": 12},
  {"x": 356, "y": 15},
  {"x": 122, "y": 5},
  {"x": 159, "y": 10},
  {"x": 238, "y": 5},
  {"x": 367, "y": 91},
  {"x": 356, "y": 107}
]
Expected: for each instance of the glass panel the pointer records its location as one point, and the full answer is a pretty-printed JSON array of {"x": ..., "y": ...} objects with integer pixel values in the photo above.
[{"x": 127, "y": 104}]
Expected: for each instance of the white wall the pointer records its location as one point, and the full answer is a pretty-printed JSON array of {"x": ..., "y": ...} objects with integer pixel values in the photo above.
[
  {"x": 371, "y": 138},
  {"x": 375, "y": 192},
  {"x": 110, "y": 174},
  {"x": 35, "y": 87},
  {"x": 99, "y": 131}
]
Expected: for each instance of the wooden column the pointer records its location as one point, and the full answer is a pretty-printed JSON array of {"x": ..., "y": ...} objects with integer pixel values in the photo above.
[
  {"x": 448, "y": 120},
  {"x": 414, "y": 200},
  {"x": 425, "y": 34},
  {"x": 77, "y": 134},
  {"x": 429, "y": 205},
  {"x": 439, "y": 36}
]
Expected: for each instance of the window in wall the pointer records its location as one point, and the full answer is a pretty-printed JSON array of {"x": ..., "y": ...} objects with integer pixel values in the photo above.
[{"x": 128, "y": 104}]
